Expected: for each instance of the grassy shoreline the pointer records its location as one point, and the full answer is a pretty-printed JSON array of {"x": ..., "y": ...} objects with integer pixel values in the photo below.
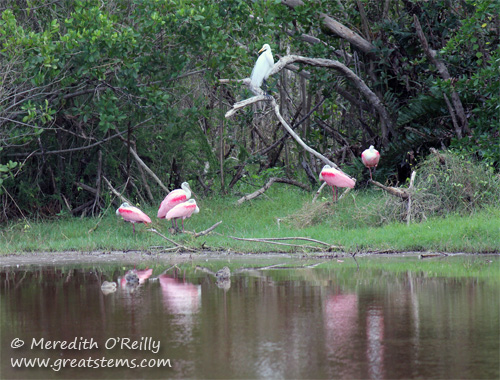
[{"x": 352, "y": 225}]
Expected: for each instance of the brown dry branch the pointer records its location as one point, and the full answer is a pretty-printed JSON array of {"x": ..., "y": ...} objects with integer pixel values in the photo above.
[
  {"x": 208, "y": 230},
  {"x": 274, "y": 104},
  {"x": 396, "y": 191},
  {"x": 274, "y": 241},
  {"x": 371, "y": 97},
  {"x": 114, "y": 191},
  {"x": 141, "y": 163},
  {"x": 441, "y": 158},
  {"x": 458, "y": 113},
  {"x": 177, "y": 245},
  {"x": 318, "y": 192},
  {"x": 263, "y": 189}
]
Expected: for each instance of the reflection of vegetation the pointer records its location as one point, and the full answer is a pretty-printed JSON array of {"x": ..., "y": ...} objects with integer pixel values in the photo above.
[{"x": 372, "y": 270}]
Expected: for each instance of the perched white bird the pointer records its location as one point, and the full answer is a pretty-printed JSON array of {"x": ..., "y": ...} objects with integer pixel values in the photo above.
[{"x": 263, "y": 66}]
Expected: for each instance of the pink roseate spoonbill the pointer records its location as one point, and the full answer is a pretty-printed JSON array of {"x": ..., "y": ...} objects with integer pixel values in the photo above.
[
  {"x": 335, "y": 178},
  {"x": 174, "y": 198},
  {"x": 132, "y": 214},
  {"x": 183, "y": 211},
  {"x": 370, "y": 158}
]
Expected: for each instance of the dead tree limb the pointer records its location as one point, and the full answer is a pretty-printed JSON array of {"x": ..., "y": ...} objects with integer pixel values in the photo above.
[
  {"x": 444, "y": 73},
  {"x": 441, "y": 158},
  {"x": 208, "y": 230},
  {"x": 296, "y": 238},
  {"x": 275, "y": 106},
  {"x": 371, "y": 97},
  {"x": 340, "y": 30},
  {"x": 318, "y": 192},
  {"x": 177, "y": 245},
  {"x": 272, "y": 241},
  {"x": 116, "y": 192},
  {"x": 141, "y": 163},
  {"x": 396, "y": 191},
  {"x": 263, "y": 189}
]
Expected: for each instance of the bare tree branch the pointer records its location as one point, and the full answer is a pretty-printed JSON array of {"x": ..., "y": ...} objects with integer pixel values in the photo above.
[
  {"x": 263, "y": 189},
  {"x": 444, "y": 73}
]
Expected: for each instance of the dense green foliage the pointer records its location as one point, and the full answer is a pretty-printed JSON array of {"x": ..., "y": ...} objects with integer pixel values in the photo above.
[{"x": 86, "y": 84}]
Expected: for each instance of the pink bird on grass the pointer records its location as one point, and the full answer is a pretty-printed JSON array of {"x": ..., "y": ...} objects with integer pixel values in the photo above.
[
  {"x": 132, "y": 214},
  {"x": 174, "y": 198},
  {"x": 370, "y": 158},
  {"x": 335, "y": 178},
  {"x": 183, "y": 211}
]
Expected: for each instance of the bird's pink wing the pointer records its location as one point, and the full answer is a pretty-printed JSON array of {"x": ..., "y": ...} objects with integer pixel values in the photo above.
[
  {"x": 182, "y": 210},
  {"x": 171, "y": 200},
  {"x": 370, "y": 159},
  {"x": 337, "y": 178},
  {"x": 133, "y": 214}
]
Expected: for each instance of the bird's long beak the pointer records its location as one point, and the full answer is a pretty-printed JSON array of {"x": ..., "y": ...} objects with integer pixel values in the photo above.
[{"x": 261, "y": 50}]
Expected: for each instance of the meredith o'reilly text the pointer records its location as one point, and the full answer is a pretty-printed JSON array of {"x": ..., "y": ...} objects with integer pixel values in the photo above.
[{"x": 80, "y": 343}]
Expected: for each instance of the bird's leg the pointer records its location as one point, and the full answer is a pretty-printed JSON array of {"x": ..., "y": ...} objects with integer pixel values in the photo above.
[
  {"x": 133, "y": 227},
  {"x": 182, "y": 222},
  {"x": 370, "y": 169},
  {"x": 269, "y": 97}
]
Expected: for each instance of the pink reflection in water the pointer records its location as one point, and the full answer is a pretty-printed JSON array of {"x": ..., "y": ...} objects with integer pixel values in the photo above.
[
  {"x": 375, "y": 345},
  {"x": 180, "y": 297},
  {"x": 348, "y": 345}
]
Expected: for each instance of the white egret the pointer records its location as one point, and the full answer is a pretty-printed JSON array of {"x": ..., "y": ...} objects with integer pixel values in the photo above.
[{"x": 263, "y": 66}]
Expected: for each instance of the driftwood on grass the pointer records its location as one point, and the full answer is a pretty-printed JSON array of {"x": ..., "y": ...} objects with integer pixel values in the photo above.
[
  {"x": 276, "y": 242},
  {"x": 255, "y": 194},
  {"x": 404, "y": 194},
  {"x": 208, "y": 230},
  {"x": 177, "y": 245}
]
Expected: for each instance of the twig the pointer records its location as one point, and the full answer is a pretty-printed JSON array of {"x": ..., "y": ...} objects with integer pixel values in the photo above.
[
  {"x": 170, "y": 240},
  {"x": 147, "y": 169},
  {"x": 398, "y": 192},
  {"x": 255, "y": 194},
  {"x": 270, "y": 241},
  {"x": 318, "y": 192},
  {"x": 114, "y": 191},
  {"x": 354, "y": 257},
  {"x": 198, "y": 234},
  {"x": 295, "y": 238}
]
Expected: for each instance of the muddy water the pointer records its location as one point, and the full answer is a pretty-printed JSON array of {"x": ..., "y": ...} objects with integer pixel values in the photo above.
[{"x": 326, "y": 321}]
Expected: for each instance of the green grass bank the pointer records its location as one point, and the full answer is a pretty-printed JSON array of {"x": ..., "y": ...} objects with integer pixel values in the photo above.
[{"x": 362, "y": 221}]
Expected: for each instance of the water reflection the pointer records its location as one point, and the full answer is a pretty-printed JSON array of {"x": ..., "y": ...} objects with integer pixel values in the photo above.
[{"x": 276, "y": 323}]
